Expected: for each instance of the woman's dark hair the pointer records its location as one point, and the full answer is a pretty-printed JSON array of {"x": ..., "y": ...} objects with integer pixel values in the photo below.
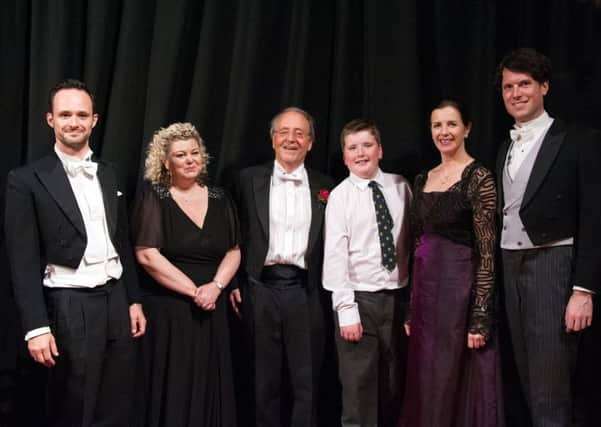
[{"x": 457, "y": 105}]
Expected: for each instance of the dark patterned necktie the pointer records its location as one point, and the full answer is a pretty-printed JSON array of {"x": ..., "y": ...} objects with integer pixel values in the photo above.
[{"x": 384, "y": 227}]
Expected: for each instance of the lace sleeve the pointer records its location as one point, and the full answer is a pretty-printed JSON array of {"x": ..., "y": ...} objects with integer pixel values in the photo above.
[
  {"x": 416, "y": 227},
  {"x": 483, "y": 197},
  {"x": 146, "y": 223},
  {"x": 233, "y": 222}
]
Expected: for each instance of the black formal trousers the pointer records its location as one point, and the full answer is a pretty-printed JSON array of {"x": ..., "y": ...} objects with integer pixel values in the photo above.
[
  {"x": 282, "y": 332},
  {"x": 537, "y": 289},
  {"x": 372, "y": 371},
  {"x": 92, "y": 382}
]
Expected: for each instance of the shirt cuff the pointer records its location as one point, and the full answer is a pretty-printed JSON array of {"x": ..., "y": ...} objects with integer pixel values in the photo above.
[
  {"x": 37, "y": 332},
  {"x": 349, "y": 316},
  {"x": 579, "y": 288}
]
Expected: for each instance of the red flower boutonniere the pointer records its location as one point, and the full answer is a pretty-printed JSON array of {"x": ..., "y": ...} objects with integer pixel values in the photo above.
[{"x": 322, "y": 196}]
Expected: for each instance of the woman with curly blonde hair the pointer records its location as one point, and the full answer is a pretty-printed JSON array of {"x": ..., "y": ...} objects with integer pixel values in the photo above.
[
  {"x": 186, "y": 239},
  {"x": 155, "y": 170}
]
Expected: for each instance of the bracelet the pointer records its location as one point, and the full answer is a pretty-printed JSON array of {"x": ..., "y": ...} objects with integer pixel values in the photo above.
[{"x": 218, "y": 284}]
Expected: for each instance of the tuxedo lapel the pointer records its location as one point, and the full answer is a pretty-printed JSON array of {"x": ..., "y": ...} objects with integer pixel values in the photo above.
[
  {"x": 53, "y": 177},
  {"x": 108, "y": 185},
  {"x": 317, "y": 212},
  {"x": 544, "y": 159},
  {"x": 500, "y": 170},
  {"x": 261, "y": 185}
]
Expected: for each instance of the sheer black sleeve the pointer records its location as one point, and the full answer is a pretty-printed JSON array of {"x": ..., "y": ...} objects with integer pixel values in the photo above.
[
  {"x": 482, "y": 194},
  {"x": 232, "y": 221},
  {"x": 146, "y": 222}
]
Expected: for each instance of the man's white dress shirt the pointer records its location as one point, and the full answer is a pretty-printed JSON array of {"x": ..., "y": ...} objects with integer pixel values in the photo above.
[
  {"x": 523, "y": 139},
  {"x": 289, "y": 216}
]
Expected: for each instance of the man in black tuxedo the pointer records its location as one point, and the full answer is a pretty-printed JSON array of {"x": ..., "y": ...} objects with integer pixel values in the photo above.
[
  {"x": 281, "y": 206},
  {"x": 72, "y": 269},
  {"x": 550, "y": 237}
]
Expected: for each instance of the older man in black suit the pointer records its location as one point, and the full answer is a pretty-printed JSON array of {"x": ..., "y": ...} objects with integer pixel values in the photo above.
[
  {"x": 282, "y": 206},
  {"x": 551, "y": 236},
  {"x": 73, "y": 271}
]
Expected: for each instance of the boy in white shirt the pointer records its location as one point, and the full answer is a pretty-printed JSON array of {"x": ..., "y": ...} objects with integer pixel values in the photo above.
[{"x": 366, "y": 267}]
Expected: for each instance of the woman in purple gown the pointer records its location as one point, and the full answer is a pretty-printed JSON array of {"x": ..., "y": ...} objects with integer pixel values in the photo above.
[{"x": 453, "y": 375}]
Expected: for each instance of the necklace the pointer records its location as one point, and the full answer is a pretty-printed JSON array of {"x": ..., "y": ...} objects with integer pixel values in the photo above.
[
  {"x": 186, "y": 197},
  {"x": 445, "y": 174}
]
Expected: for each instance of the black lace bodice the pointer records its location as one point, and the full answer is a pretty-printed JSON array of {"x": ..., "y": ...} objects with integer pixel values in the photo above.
[{"x": 465, "y": 214}]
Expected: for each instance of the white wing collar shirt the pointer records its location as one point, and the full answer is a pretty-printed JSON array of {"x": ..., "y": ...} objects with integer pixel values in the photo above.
[
  {"x": 100, "y": 262},
  {"x": 289, "y": 216},
  {"x": 352, "y": 254},
  {"x": 523, "y": 140}
]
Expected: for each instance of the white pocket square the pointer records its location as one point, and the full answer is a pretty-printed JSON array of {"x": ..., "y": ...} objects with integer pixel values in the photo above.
[{"x": 119, "y": 193}]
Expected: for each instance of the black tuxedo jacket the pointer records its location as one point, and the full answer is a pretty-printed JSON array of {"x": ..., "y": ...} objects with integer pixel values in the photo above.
[
  {"x": 252, "y": 194},
  {"x": 562, "y": 197},
  {"x": 43, "y": 225}
]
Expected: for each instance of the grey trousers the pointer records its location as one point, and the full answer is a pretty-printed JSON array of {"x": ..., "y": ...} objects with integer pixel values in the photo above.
[
  {"x": 537, "y": 289},
  {"x": 372, "y": 370}
]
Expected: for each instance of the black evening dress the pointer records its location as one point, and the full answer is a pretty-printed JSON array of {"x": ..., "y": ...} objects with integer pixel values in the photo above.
[
  {"x": 185, "y": 369},
  {"x": 448, "y": 384}
]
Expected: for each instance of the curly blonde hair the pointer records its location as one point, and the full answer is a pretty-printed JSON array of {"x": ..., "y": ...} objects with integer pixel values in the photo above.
[{"x": 158, "y": 151}]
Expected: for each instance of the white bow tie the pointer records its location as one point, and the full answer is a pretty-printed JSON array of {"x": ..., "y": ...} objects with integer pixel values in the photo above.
[
  {"x": 518, "y": 135},
  {"x": 281, "y": 176},
  {"x": 85, "y": 167}
]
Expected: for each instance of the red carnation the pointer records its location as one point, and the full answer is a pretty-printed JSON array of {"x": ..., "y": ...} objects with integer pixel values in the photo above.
[{"x": 323, "y": 195}]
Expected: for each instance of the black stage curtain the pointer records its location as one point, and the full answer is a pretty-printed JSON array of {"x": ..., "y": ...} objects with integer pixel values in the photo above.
[{"x": 227, "y": 66}]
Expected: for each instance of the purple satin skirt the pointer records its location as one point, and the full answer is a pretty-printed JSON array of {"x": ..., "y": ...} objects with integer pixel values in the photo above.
[{"x": 448, "y": 384}]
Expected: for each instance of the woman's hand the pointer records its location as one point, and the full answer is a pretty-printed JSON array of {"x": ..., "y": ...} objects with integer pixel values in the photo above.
[
  {"x": 475, "y": 340},
  {"x": 206, "y": 296}
]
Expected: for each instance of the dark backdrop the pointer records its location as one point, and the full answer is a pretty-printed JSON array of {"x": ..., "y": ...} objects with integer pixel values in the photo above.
[{"x": 227, "y": 66}]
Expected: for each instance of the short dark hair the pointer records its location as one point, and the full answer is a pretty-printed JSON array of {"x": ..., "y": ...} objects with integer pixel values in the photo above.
[
  {"x": 69, "y": 84},
  {"x": 359, "y": 125},
  {"x": 525, "y": 60},
  {"x": 456, "y": 104}
]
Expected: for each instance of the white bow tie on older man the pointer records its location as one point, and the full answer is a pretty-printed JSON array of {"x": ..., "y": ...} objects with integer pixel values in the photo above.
[
  {"x": 85, "y": 167},
  {"x": 281, "y": 176}
]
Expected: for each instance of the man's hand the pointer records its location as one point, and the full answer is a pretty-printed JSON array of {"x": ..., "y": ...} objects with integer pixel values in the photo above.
[
  {"x": 352, "y": 333},
  {"x": 579, "y": 312},
  {"x": 236, "y": 300},
  {"x": 137, "y": 320},
  {"x": 42, "y": 348},
  {"x": 407, "y": 328},
  {"x": 475, "y": 340}
]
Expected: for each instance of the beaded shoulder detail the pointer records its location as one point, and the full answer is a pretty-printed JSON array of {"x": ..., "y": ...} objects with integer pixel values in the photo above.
[
  {"x": 163, "y": 193},
  {"x": 216, "y": 193}
]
